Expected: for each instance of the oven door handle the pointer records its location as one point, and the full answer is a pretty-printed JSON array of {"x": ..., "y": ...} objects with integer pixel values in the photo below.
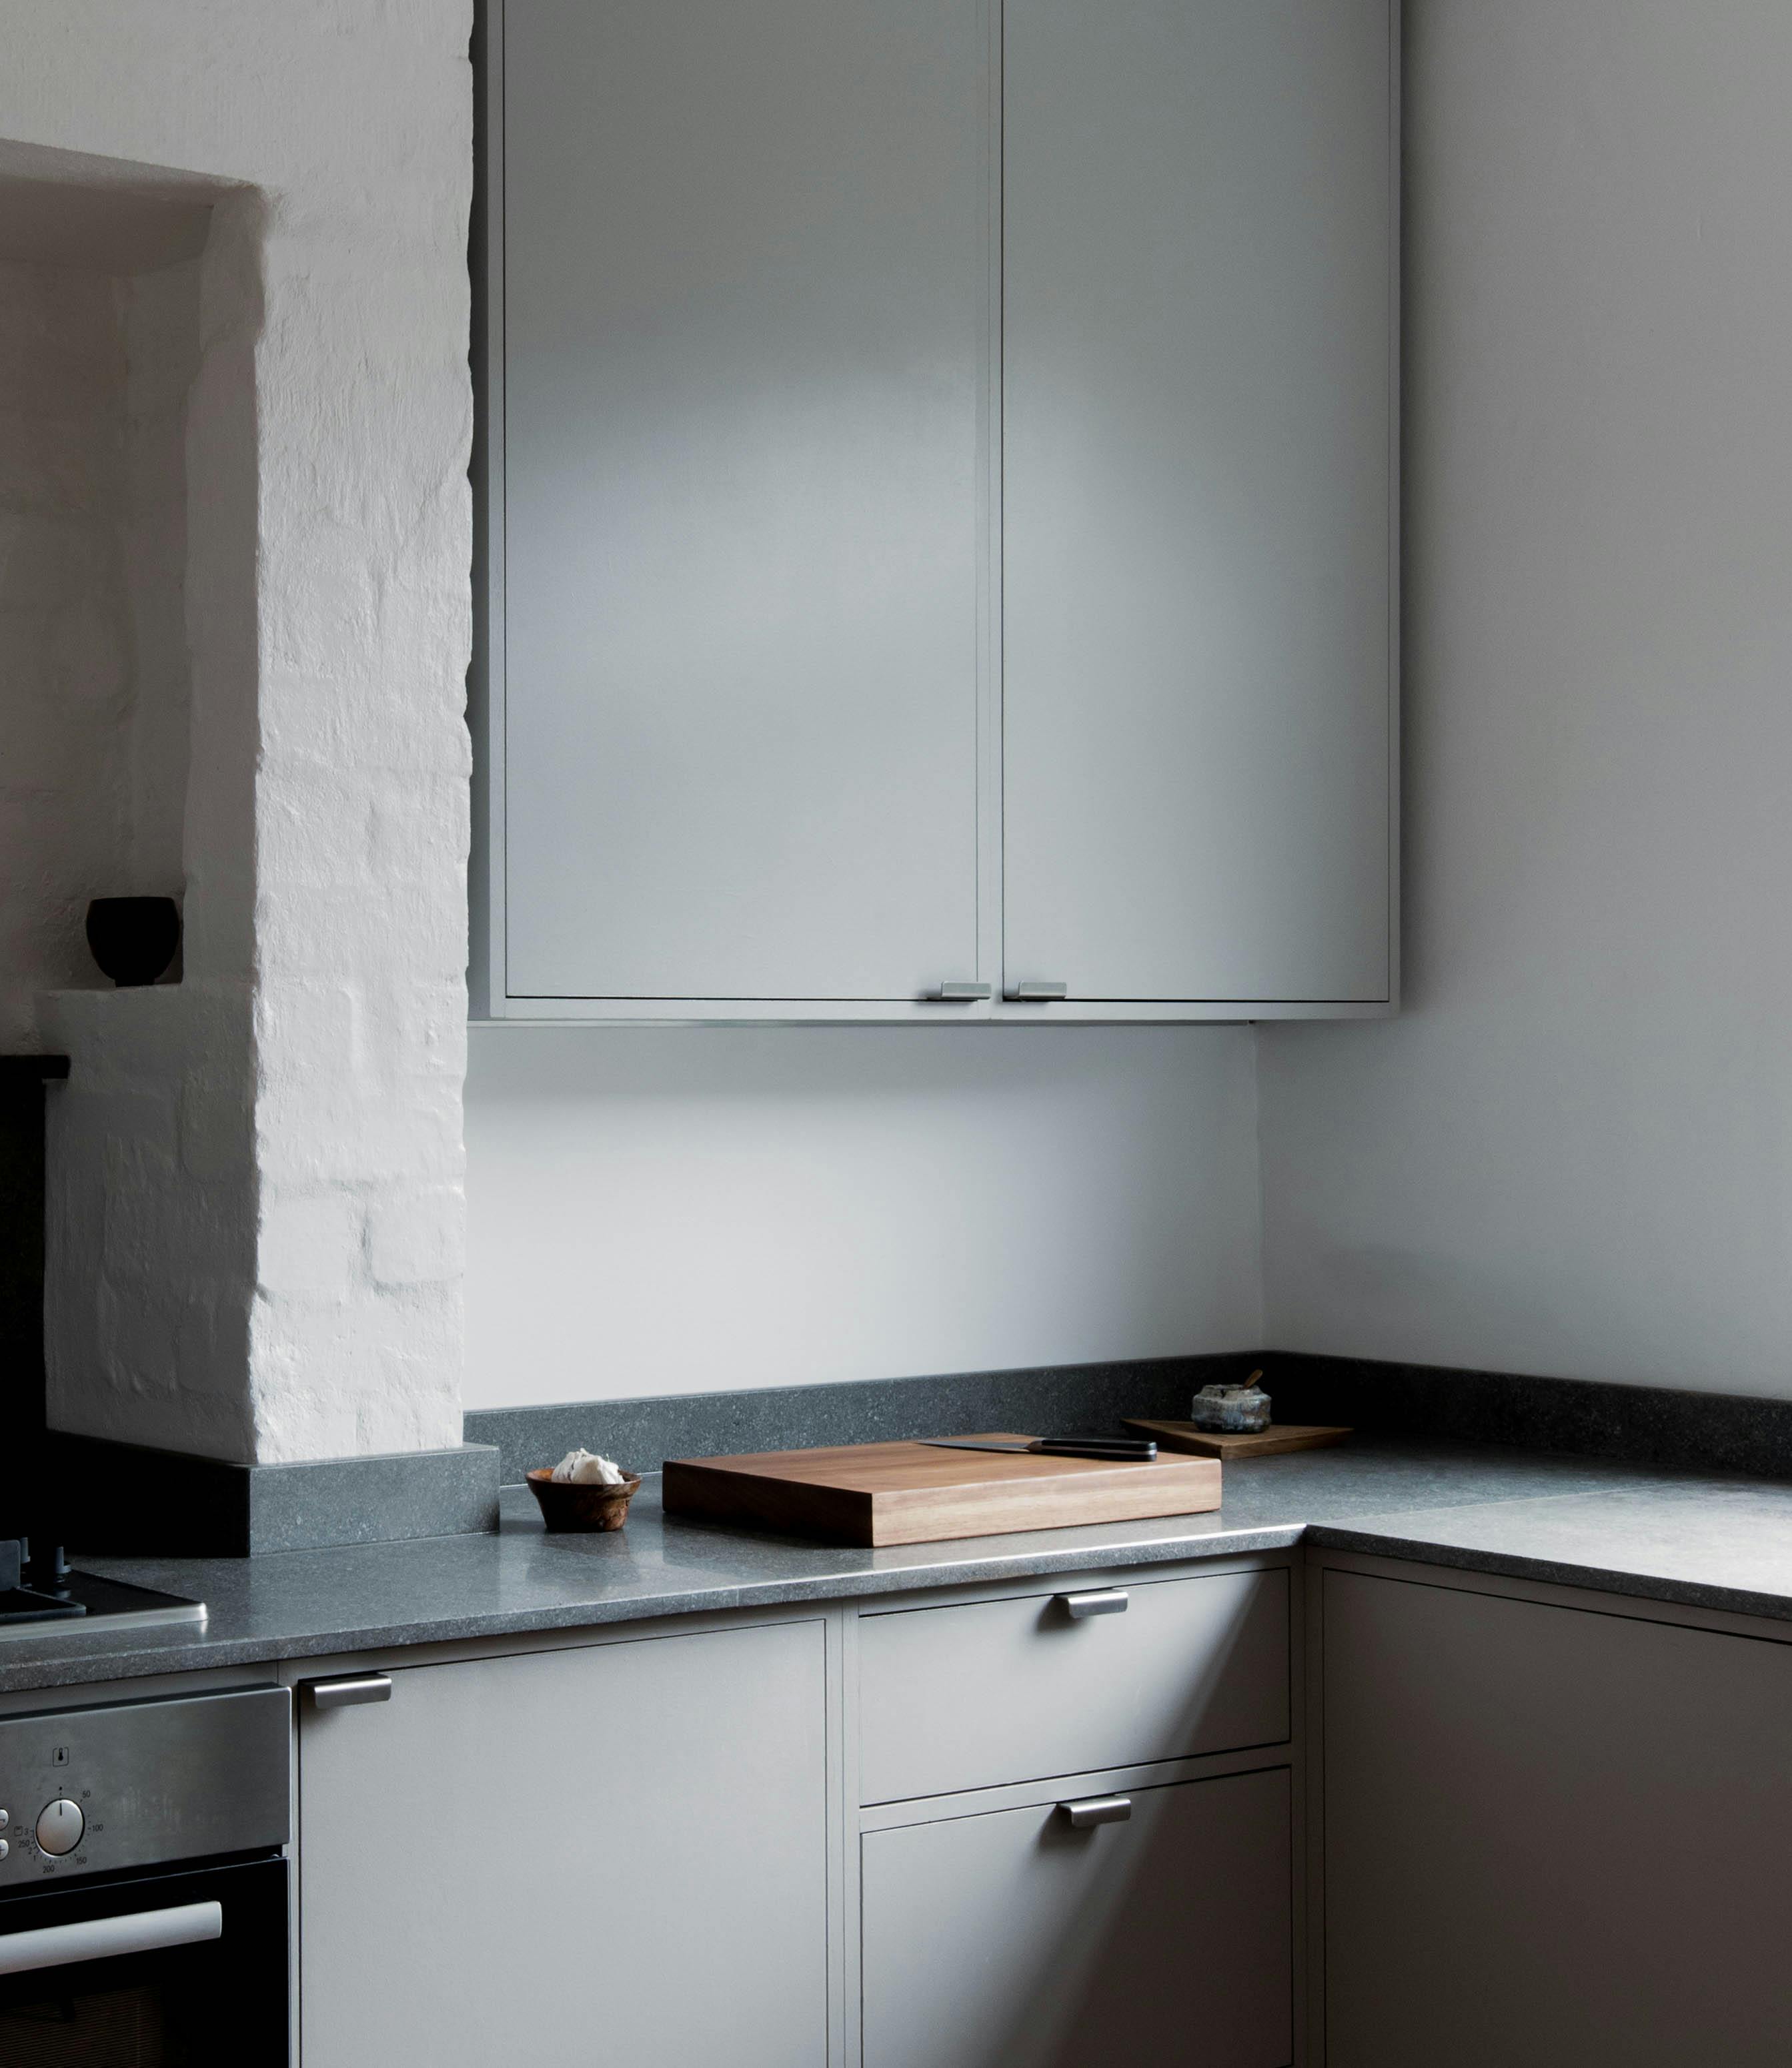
[{"x": 110, "y": 1938}]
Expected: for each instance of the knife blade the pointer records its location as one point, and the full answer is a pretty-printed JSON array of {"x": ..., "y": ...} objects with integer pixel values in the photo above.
[{"x": 1116, "y": 1450}]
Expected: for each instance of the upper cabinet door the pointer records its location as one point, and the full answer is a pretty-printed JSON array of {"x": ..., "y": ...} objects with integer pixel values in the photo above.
[
  {"x": 740, "y": 444},
  {"x": 1199, "y": 257}
]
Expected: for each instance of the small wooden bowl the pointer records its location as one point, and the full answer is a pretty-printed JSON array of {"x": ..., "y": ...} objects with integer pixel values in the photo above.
[{"x": 568, "y": 1505}]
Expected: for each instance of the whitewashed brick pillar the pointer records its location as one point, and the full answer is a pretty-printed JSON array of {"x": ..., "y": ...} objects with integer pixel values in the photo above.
[{"x": 256, "y": 1233}]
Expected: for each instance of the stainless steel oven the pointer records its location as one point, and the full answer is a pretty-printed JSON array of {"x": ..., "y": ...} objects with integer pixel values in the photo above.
[{"x": 142, "y": 1887}]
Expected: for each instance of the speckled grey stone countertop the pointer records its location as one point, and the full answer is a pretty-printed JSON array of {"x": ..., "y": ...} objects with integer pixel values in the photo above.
[
  {"x": 1718, "y": 1543},
  {"x": 1710, "y": 1543}
]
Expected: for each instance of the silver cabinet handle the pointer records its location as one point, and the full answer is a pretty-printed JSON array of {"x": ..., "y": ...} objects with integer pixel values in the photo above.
[
  {"x": 107, "y": 1938},
  {"x": 1099, "y": 1601},
  {"x": 956, "y": 994},
  {"x": 349, "y": 1694},
  {"x": 1095, "y": 1810},
  {"x": 1037, "y": 994}
]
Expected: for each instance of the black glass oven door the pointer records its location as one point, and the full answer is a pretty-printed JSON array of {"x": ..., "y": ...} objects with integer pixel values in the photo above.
[{"x": 183, "y": 1970}]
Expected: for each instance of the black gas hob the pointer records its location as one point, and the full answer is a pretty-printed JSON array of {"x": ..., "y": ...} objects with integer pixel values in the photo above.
[{"x": 41, "y": 1592}]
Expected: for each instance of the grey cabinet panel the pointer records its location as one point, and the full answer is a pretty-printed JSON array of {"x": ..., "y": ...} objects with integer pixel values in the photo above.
[
  {"x": 1197, "y": 449},
  {"x": 746, "y": 341},
  {"x": 631, "y": 1835},
  {"x": 879, "y": 601},
  {"x": 1013, "y": 1941},
  {"x": 982, "y": 1693},
  {"x": 1551, "y": 1837}
]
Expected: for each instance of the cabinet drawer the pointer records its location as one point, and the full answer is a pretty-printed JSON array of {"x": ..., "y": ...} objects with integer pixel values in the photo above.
[
  {"x": 979, "y": 1693},
  {"x": 1016, "y": 1941}
]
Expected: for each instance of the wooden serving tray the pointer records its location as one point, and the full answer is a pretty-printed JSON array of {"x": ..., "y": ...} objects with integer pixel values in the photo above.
[
  {"x": 909, "y": 1493},
  {"x": 1265, "y": 1443}
]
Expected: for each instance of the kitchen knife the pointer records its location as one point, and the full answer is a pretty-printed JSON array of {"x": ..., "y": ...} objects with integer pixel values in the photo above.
[{"x": 1117, "y": 1450}]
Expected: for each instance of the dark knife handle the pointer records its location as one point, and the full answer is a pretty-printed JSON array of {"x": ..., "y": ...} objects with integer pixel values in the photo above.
[{"x": 1122, "y": 1449}]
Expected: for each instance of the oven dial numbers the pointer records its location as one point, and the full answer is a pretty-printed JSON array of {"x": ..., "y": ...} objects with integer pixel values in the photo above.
[{"x": 60, "y": 1826}]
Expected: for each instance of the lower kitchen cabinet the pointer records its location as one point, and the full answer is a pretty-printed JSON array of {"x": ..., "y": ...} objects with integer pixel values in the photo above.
[
  {"x": 1553, "y": 1836},
  {"x": 613, "y": 1852},
  {"x": 1013, "y": 1939},
  {"x": 975, "y": 1694}
]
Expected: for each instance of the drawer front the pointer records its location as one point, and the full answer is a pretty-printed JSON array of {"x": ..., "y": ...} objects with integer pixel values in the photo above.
[
  {"x": 1018, "y": 1941},
  {"x": 982, "y": 1694}
]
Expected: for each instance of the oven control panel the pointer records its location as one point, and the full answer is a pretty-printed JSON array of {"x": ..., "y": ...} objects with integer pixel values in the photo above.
[{"x": 143, "y": 1784}]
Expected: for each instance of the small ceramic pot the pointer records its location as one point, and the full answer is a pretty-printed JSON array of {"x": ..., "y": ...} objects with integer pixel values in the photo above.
[
  {"x": 133, "y": 939},
  {"x": 1230, "y": 1410},
  {"x": 570, "y": 1504}
]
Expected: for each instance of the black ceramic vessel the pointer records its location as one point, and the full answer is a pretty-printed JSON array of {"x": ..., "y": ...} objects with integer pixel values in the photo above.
[{"x": 133, "y": 939}]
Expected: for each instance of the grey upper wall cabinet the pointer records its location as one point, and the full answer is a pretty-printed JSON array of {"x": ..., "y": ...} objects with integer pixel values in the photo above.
[
  {"x": 746, "y": 300},
  {"x": 1197, "y": 474},
  {"x": 937, "y": 475}
]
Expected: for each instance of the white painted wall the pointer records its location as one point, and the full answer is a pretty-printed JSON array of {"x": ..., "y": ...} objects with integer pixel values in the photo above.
[
  {"x": 666, "y": 1210},
  {"x": 1574, "y": 1153}
]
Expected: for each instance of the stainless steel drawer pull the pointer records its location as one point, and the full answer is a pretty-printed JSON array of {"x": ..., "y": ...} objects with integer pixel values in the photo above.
[
  {"x": 1099, "y": 1601},
  {"x": 957, "y": 994},
  {"x": 349, "y": 1694},
  {"x": 1037, "y": 994},
  {"x": 109, "y": 1938},
  {"x": 1097, "y": 1809}
]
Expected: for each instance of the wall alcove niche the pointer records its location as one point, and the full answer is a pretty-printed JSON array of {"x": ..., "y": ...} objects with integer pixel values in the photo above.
[
  {"x": 99, "y": 347},
  {"x": 129, "y": 301}
]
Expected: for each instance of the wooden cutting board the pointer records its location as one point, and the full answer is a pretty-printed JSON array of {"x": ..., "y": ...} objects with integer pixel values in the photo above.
[
  {"x": 909, "y": 1493},
  {"x": 1265, "y": 1443}
]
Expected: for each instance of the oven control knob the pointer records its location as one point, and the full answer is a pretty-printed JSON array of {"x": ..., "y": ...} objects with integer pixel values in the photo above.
[{"x": 60, "y": 1826}]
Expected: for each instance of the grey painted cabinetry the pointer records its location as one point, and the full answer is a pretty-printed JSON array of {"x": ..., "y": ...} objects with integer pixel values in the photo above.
[
  {"x": 971, "y": 1696},
  {"x": 1022, "y": 1826},
  {"x": 1197, "y": 479},
  {"x": 1552, "y": 1837},
  {"x": 613, "y": 1852},
  {"x": 697, "y": 1845},
  {"x": 1064, "y": 1798},
  {"x": 745, "y": 384},
  {"x": 939, "y": 499},
  {"x": 1010, "y": 1939}
]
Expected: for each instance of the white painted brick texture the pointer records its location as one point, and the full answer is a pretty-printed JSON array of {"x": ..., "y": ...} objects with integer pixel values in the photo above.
[{"x": 258, "y": 1226}]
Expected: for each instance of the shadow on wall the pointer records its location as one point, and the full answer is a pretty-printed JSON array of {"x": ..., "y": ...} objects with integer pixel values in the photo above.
[{"x": 100, "y": 311}]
